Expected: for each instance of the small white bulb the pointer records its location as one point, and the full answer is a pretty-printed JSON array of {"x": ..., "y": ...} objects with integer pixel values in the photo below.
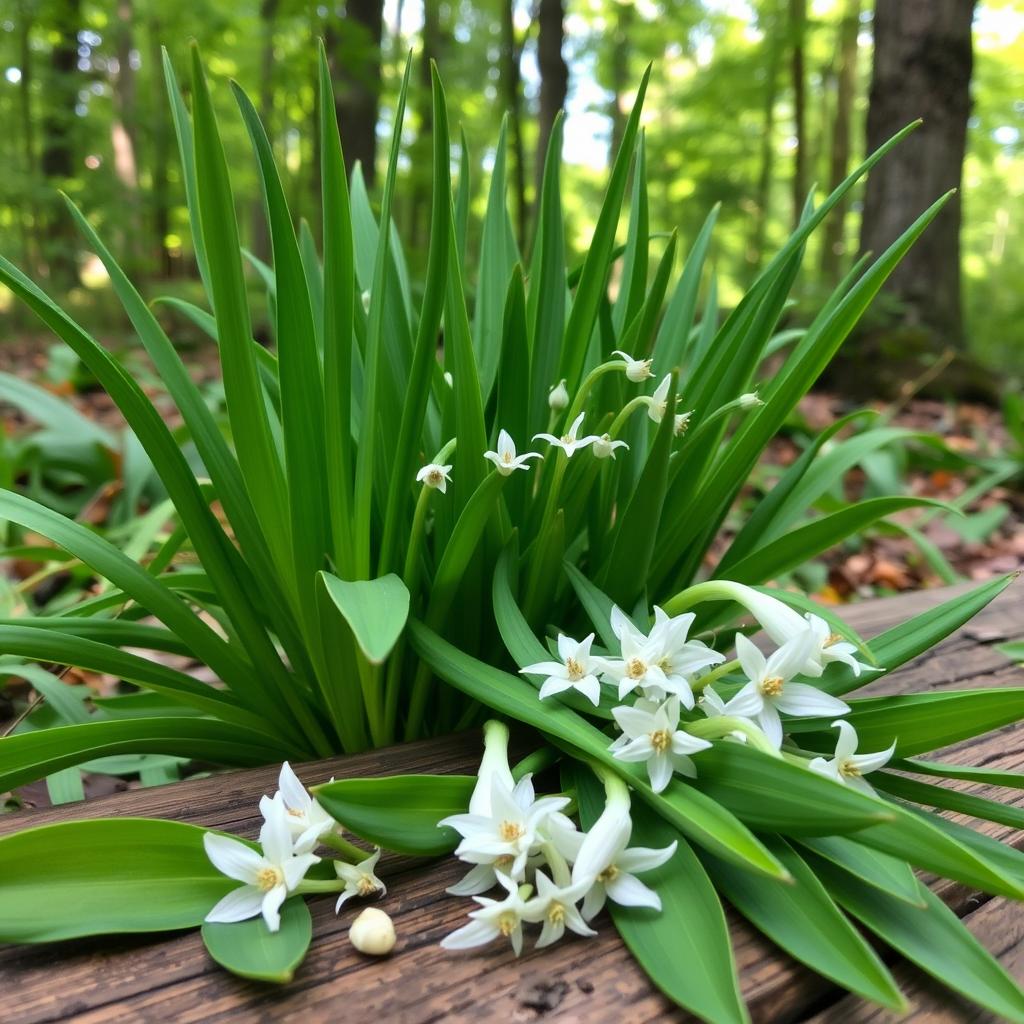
[
  {"x": 558, "y": 397},
  {"x": 372, "y": 932},
  {"x": 366, "y": 301}
]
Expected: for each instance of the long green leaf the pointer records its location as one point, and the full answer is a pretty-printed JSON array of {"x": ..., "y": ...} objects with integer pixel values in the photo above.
[{"x": 251, "y": 950}]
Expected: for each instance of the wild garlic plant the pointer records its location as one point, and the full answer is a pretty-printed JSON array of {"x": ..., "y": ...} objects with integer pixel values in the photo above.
[
  {"x": 415, "y": 493},
  {"x": 376, "y": 462}
]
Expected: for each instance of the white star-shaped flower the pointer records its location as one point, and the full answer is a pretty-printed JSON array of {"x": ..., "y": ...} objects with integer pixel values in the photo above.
[
  {"x": 570, "y": 441},
  {"x": 657, "y": 404},
  {"x": 360, "y": 879},
  {"x": 847, "y": 766},
  {"x": 637, "y": 370},
  {"x": 610, "y": 868},
  {"x": 506, "y": 836},
  {"x": 770, "y": 691},
  {"x": 307, "y": 820},
  {"x": 555, "y": 906},
  {"x": 576, "y": 671},
  {"x": 651, "y": 733},
  {"x": 505, "y": 458},
  {"x": 494, "y": 918},
  {"x": 268, "y": 877},
  {"x": 433, "y": 475}
]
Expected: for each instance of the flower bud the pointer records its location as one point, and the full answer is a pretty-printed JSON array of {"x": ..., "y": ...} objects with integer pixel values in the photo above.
[
  {"x": 366, "y": 301},
  {"x": 750, "y": 400},
  {"x": 372, "y": 933},
  {"x": 558, "y": 397}
]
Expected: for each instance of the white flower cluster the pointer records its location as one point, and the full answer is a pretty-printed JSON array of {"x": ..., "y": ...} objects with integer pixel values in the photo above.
[
  {"x": 506, "y": 459},
  {"x": 551, "y": 873},
  {"x": 294, "y": 824},
  {"x": 664, "y": 667}
]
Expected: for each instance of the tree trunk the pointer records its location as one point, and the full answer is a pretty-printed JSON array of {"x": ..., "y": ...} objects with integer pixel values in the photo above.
[
  {"x": 797, "y": 29},
  {"x": 922, "y": 68},
  {"x": 554, "y": 76},
  {"x": 354, "y": 46},
  {"x": 833, "y": 246},
  {"x": 511, "y": 52},
  {"x": 57, "y": 158},
  {"x": 419, "y": 208}
]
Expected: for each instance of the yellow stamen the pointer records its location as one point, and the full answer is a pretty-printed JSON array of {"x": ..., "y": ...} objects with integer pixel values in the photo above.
[
  {"x": 609, "y": 874},
  {"x": 661, "y": 740},
  {"x": 269, "y": 878},
  {"x": 507, "y": 924},
  {"x": 772, "y": 687},
  {"x": 556, "y": 913},
  {"x": 510, "y": 831},
  {"x": 850, "y": 770},
  {"x": 367, "y": 886},
  {"x": 575, "y": 670},
  {"x": 635, "y": 668}
]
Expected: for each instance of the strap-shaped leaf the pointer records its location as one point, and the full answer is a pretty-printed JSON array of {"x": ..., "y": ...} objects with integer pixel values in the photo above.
[{"x": 103, "y": 877}]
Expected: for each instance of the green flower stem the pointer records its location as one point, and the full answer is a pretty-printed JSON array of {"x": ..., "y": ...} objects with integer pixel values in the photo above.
[
  {"x": 709, "y": 421},
  {"x": 641, "y": 401},
  {"x": 709, "y": 590},
  {"x": 536, "y": 762},
  {"x": 551, "y": 506},
  {"x": 560, "y": 873},
  {"x": 588, "y": 382},
  {"x": 722, "y": 725},
  {"x": 311, "y": 885},
  {"x": 349, "y": 851},
  {"x": 714, "y": 675}
]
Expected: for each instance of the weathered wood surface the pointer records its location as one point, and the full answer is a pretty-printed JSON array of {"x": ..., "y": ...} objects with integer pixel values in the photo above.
[{"x": 595, "y": 981}]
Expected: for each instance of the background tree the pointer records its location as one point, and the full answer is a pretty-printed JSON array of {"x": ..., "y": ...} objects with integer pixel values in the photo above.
[{"x": 921, "y": 69}]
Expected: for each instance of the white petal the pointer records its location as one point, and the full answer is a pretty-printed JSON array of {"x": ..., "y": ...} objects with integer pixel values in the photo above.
[
  {"x": 232, "y": 857},
  {"x": 659, "y": 768},
  {"x": 846, "y": 744},
  {"x": 552, "y": 685},
  {"x": 628, "y": 891},
  {"x": 295, "y": 868},
  {"x": 476, "y": 933},
  {"x": 633, "y": 722},
  {"x": 593, "y": 901},
  {"x": 294, "y": 793},
  {"x": 545, "y": 668},
  {"x": 751, "y": 660},
  {"x": 771, "y": 725},
  {"x": 684, "y": 743},
  {"x": 276, "y": 836},
  {"x": 804, "y": 700},
  {"x": 643, "y": 858},
  {"x": 872, "y": 762},
  {"x": 590, "y": 688},
  {"x": 479, "y": 879},
  {"x": 639, "y": 749},
  {"x": 239, "y": 905},
  {"x": 747, "y": 702},
  {"x": 272, "y": 907}
]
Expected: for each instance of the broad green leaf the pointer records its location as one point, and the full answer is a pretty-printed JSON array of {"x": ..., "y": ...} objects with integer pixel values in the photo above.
[
  {"x": 375, "y": 610},
  {"x": 251, "y": 950},
  {"x": 399, "y": 812},
  {"x": 689, "y": 929},
  {"x": 800, "y": 917},
  {"x": 103, "y": 877},
  {"x": 934, "y": 939}
]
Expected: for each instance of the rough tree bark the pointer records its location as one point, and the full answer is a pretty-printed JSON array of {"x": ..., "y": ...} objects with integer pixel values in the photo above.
[
  {"x": 259, "y": 237},
  {"x": 922, "y": 68},
  {"x": 124, "y": 132},
  {"x": 554, "y": 76},
  {"x": 354, "y": 47},
  {"x": 770, "y": 20},
  {"x": 839, "y": 160}
]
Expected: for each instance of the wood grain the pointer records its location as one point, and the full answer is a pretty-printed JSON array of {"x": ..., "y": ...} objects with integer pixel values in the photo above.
[{"x": 140, "y": 980}]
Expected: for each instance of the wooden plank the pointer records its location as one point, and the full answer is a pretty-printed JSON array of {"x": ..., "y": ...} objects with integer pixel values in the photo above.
[{"x": 595, "y": 980}]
